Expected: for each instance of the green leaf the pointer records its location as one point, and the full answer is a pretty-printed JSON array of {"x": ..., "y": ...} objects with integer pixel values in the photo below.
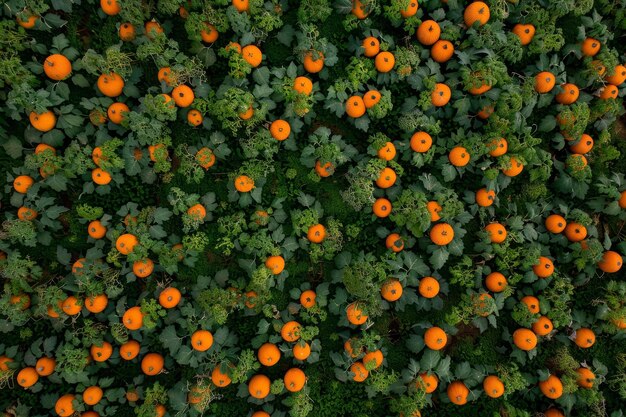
[
  {"x": 439, "y": 257},
  {"x": 286, "y": 35},
  {"x": 55, "y": 211},
  {"x": 63, "y": 90},
  {"x": 415, "y": 343},
  {"x": 13, "y": 147},
  {"x": 60, "y": 42},
  {"x": 443, "y": 367},
  {"x": 161, "y": 215},
  {"x": 63, "y": 256},
  {"x": 170, "y": 339},
  {"x": 157, "y": 232},
  {"x": 429, "y": 360},
  {"x": 262, "y": 91},
  {"x": 449, "y": 172},
  {"x": 463, "y": 370},
  {"x": 261, "y": 76},
  {"x": 80, "y": 80}
]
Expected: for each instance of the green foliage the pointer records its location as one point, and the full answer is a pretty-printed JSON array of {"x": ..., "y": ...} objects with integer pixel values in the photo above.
[
  {"x": 151, "y": 311},
  {"x": 410, "y": 210},
  {"x": 219, "y": 303},
  {"x": 409, "y": 403},
  {"x": 314, "y": 11},
  {"x": 114, "y": 60}
]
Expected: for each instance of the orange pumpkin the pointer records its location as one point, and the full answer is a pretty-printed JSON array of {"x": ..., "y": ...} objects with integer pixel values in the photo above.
[
  {"x": 268, "y": 354},
  {"x": 394, "y": 242},
  {"x": 410, "y": 9},
  {"x": 355, "y": 315},
  {"x": 568, "y": 95},
  {"x": 584, "y": 338},
  {"x": 551, "y": 387},
  {"x": 497, "y": 232},
  {"x": 360, "y": 371},
  {"x": 421, "y": 142},
  {"x": 440, "y": 96},
  {"x": 384, "y": 61},
  {"x": 387, "y": 152},
  {"x": 244, "y": 184},
  {"x": 355, "y": 107},
  {"x": 428, "y": 32},
  {"x": 524, "y": 339},
  {"x": 442, "y": 51},
  {"x": 441, "y": 234},
  {"x": 152, "y": 364},
  {"x": 27, "y": 377},
  {"x": 195, "y": 118},
  {"x": 434, "y": 208},
  {"x": 280, "y": 129},
  {"x": 532, "y": 303},
  {"x": 43, "y": 122},
  {"x": 457, "y": 393},
  {"x": 294, "y": 380},
  {"x": 435, "y": 338},
  {"x": 515, "y": 167},
  {"x": 111, "y": 85},
  {"x": 110, "y": 7},
  {"x": 307, "y": 298},
  {"x": 525, "y": 33},
  {"x": 391, "y": 290},
  {"x": 611, "y": 262},
  {"x": 101, "y": 353},
  {"x": 371, "y": 46},
  {"x": 252, "y": 55},
  {"x": 132, "y": 318},
  {"x": 544, "y": 267},
  {"x": 313, "y": 62},
  {"x": 96, "y": 303},
  {"x": 428, "y": 382},
  {"x": 127, "y": 32},
  {"x": 126, "y": 243},
  {"x": 543, "y": 326},
  {"x": 259, "y": 386},
  {"x": 316, "y": 233},
  {"x": 585, "y": 378},
  {"x": 544, "y": 82},
  {"x": 142, "y": 268},
  {"x": 183, "y": 95},
  {"x": 485, "y": 198},
  {"x": 382, "y": 207},
  {"x": 276, "y": 264},
  {"x": 459, "y": 156},
  {"x": 498, "y": 147},
  {"x": 371, "y": 98},
  {"x": 496, "y": 282},
  {"x": 493, "y": 386},
  {"x": 476, "y": 12},
  {"x": 170, "y": 297},
  {"x": 57, "y": 67},
  {"x": 575, "y": 232},
  {"x": 64, "y": 406},
  {"x": 387, "y": 178},
  {"x": 619, "y": 76},
  {"x": 590, "y": 47},
  {"x": 555, "y": 223},
  {"x": 29, "y": 23},
  {"x": 429, "y": 287},
  {"x": 290, "y": 332},
  {"x": 96, "y": 230},
  {"x": 116, "y": 112}
]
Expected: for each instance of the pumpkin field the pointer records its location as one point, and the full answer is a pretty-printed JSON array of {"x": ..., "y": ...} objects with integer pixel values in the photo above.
[{"x": 312, "y": 208}]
